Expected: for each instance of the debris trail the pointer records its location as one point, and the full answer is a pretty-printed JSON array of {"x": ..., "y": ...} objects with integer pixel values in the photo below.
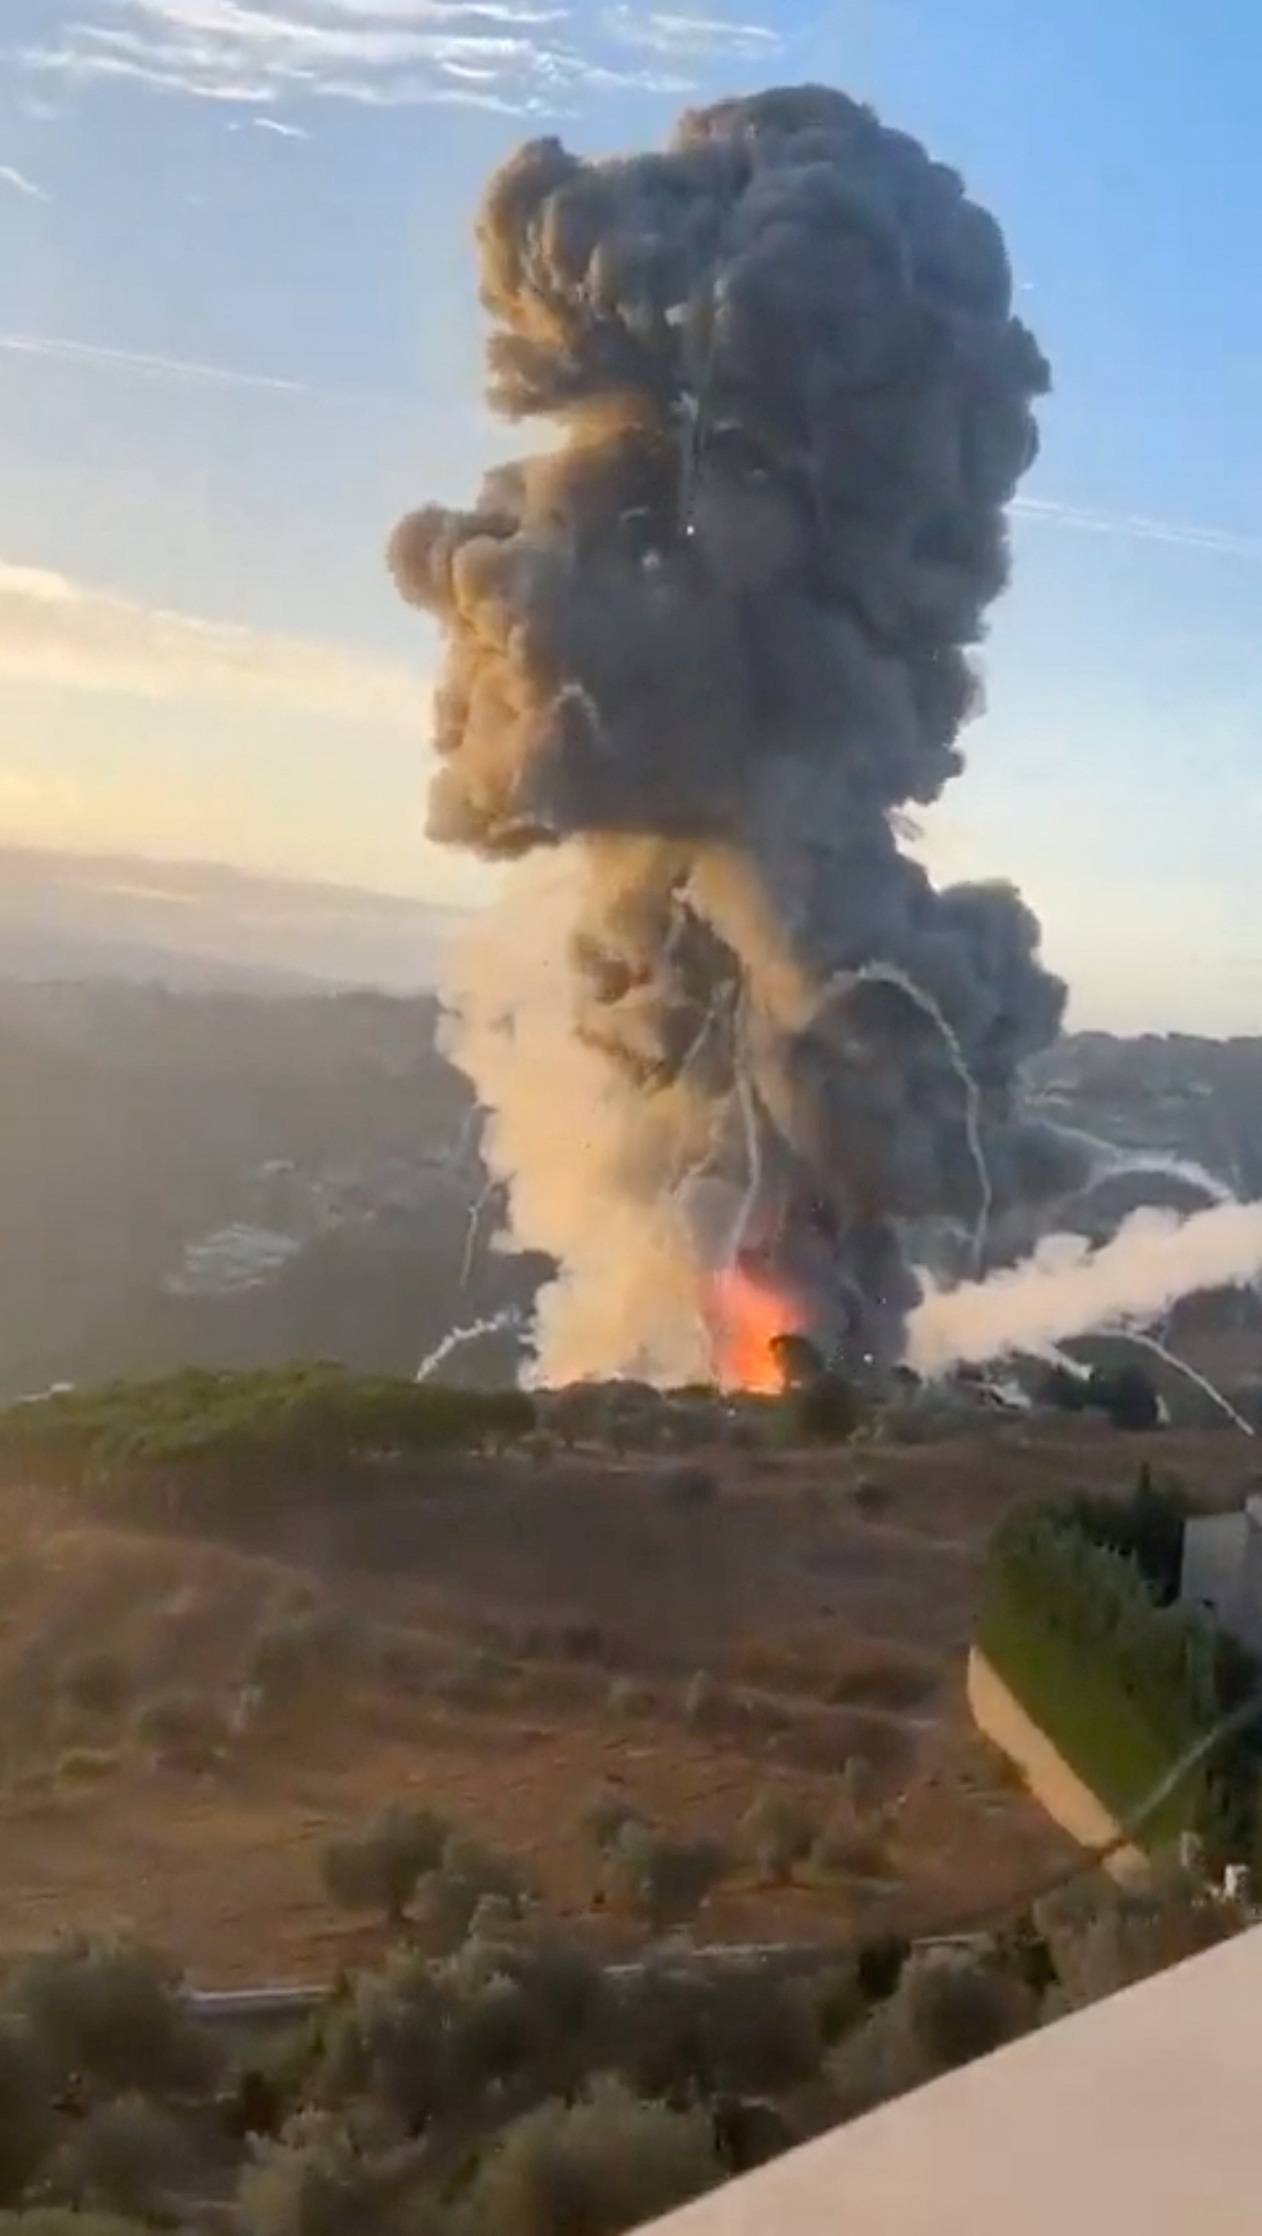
[
  {"x": 1184, "y": 1366},
  {"x": 510, "y": 1317}
]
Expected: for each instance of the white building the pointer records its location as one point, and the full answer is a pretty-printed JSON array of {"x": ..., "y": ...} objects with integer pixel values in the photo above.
[{"x": 1222, "y": 1570}]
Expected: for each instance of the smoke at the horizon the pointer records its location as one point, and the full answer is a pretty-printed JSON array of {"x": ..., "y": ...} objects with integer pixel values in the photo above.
[
  {"x": 1067, "y": 1288},
  {"x": 699, "y": 657}
]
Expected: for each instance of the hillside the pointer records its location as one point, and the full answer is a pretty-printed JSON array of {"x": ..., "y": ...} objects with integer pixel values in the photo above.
[
  {"x": 213, "y": 1176},
  {"x": 498, "y": 1635}
]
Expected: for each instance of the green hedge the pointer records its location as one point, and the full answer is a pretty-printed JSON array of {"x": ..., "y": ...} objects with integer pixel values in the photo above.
[
  {"x": 306, "y": 1417},
  {"x": 1121, "y": 1685}
]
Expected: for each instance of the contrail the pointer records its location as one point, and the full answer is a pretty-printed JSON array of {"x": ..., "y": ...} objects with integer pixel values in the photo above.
[
  {"x": 510, "y": 1317},
  {"x": 1186, "y": 535},
  {"x": 147, "y": 365}
]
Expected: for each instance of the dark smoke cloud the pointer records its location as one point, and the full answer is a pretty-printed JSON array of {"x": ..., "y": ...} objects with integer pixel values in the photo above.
[{"x": 711, "y": 645}]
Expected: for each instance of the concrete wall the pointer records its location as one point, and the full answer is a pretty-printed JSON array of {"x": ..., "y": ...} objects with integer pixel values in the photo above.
[{"x": 999, "y": 1715}]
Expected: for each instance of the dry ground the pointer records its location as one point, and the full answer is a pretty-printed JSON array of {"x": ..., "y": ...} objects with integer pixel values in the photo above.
[{"x": 482, "y": 1610}]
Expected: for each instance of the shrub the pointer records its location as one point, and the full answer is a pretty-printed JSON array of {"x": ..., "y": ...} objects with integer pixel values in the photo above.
[
  {"x": 593, "y": 2168},
  {"x": 700, "y": 1699},
  {"x": 112, "y": 2010},
  {"x": 627, "y": 1698},
  {"x": 99, "y": 1683},
  {"x": 1123, "y": 1687},
  {"x": 665, "y": 1880},
  {"x": 948, "y": 2010},
  {"x": 762, "y": 2034},
  {"x": 825, "y": 1410},
  {"x": 603, "y": 1815},
  {"x": 1127, "y": 1395},
  {"x": 184, "y": 1730},
  {"x": 313, "y": 2182},
  {"x": 293, "y": 1653},
  {"x": 378, "y": 1868},
  {"x": 775, "y": 1833},
  {"x": 127, "y": 2157},
  {"x": 851, "y": 1846},
  {"x": 83, "y": 1764},
  {"x": 26, "y": 2119},
  {"x": 1101, "y": 1937}
]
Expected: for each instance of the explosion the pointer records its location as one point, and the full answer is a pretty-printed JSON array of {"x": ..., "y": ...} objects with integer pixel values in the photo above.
[
  {"x": 748, "y": 1318},
  {"x": 700, "y": 657}
]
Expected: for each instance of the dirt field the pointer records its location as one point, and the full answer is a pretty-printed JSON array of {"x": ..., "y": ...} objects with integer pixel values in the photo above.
[{"x": 478, "y": 1615}]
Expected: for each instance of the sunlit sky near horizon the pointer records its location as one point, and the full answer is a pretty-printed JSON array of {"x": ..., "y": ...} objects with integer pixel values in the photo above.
[{"x": 239, "y": 335}]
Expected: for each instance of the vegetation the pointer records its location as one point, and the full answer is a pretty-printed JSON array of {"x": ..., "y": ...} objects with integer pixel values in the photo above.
[
  {"x": 378, "y": 1867},
  {"x": 1123, "y": 1684},
  {"x": 302, "y": 1423},
  {"x": 512, "y": 2085}
]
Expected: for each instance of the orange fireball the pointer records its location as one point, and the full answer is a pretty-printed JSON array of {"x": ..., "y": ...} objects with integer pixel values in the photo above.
[{"x": 746, "y": 1315}]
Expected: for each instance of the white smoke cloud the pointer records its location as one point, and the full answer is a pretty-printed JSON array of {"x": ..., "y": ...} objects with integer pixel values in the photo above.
[
  {"x": 1066, "y": 1288},
  {"x": 566, "y": 1128}
]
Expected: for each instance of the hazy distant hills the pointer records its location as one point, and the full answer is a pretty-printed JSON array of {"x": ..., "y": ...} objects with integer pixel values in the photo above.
[
  {"x": 215, "y": 1149},
  {"x": 200, "y": 925}
]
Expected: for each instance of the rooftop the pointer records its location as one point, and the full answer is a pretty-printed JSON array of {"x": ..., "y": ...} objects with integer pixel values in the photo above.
[{"x": 1139, "y": 2113}]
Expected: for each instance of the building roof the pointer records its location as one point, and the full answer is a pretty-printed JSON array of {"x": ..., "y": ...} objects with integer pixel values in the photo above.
[{"x": 1140, "y": 2113}]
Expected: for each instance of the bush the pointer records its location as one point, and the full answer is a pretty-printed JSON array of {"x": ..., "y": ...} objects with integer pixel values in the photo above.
[
  {"x": 1101, "y": 1937},
  {"x": 762, "y": 2034},
  {"x": 592, "y": 2169},
  {"x": 1127, "y": 1395},
  {"x": 313, "y": 2182},
  {"x": 775, "y": 1833},
  {"x": 294, "y": 1653},
  {"x": 27, "y": 2126},
  {"x": 1122, "y": 1686},
  {"x": 99, "y": 1683},
  {"x": 184, "y": 1730},
  {"x": 700, "y": 1698},
  {"x": 378, "y": 1868},
  {"x": 825, "y": 1410},
  {"x": 127, "y": 2157},
  {"x": 79, "y": 1765},
  {"x": 948, "y": 2010},
  {"x": 603, "y": 1815},
  {"x": 665, "y": 1880},
  {"x": 112, "y": 2011}
]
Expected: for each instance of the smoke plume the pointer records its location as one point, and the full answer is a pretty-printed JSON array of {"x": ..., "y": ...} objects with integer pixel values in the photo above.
[
  {"x": 1067, "y": 1287},
  {"x": 700, "y": 655}
]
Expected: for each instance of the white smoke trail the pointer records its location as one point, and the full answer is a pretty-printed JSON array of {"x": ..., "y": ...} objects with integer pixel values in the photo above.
[
  {"x": 1193, "y": 1374},
  {"x": 889, "y": 974},
  {"x": 510, "y": 1317},
  {"x": 489, "y": 1188},
  {"x": 1066, "y": 1288},
  {"x": 1120, "y": 1162}
]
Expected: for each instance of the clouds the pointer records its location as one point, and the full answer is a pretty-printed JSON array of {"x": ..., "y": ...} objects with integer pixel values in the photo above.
[
  {"x": 57, "y": 631},
  {"x": 18, "y": 183},
  {"x": 519, "y": 56}
]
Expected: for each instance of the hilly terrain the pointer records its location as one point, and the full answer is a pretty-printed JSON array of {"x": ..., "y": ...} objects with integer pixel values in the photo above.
[{"x": 498, "y": 1636}]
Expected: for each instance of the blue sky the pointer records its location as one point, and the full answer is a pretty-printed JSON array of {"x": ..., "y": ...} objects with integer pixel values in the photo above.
[{"x": 239, "y": 335}]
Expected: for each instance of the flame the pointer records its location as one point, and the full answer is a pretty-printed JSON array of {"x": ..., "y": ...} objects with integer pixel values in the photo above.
[{"x": 745, "y": 1316}]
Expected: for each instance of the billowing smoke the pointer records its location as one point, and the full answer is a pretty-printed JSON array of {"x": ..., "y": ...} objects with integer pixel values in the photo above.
[
  {"x": 703, "y": 652},
  {"x": 1067, "y": 1287}
]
